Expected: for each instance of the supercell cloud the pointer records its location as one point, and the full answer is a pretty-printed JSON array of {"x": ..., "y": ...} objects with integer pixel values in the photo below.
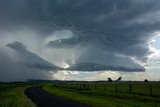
[
  {"x": 87, "y": 35},
  {"x": 30, "y": 59}
]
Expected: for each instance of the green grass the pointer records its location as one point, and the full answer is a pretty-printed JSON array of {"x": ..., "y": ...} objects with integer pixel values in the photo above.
[
  {"x": 12, "y": 95},
  {"x": 99, "y": 94},
  {"x": 105, "y": 95}
]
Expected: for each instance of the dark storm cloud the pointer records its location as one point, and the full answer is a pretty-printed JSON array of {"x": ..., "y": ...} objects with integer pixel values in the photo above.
[
  {"x": 63, "y": 43},
  {"x": 109, "y": 33},
  {"x": 101, "y": 67},
  {"x": 13, "y": 70},
  {"x": 30, "y": 59},
  {"x": 91, "y": 60}
]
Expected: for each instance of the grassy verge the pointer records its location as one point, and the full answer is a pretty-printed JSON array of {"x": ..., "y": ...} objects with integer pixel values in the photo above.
[
  {"x": 12, "y": 95},
  {"x": 95, "y": 99}
]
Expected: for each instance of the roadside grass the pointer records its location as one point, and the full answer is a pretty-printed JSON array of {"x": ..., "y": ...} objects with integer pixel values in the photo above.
[
  {"x": 99, "y": 98},
  {"x": 12, "y": 95}
]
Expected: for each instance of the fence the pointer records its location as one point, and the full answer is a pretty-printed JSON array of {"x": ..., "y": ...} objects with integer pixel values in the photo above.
[{"x": 140, "y": 88}]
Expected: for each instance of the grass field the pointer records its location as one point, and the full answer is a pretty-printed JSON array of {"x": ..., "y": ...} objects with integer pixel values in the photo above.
[
  {"x": 12, "y": 95},
  {"x": 124, "y": 94},
  {"x": 95, "y": 94}
]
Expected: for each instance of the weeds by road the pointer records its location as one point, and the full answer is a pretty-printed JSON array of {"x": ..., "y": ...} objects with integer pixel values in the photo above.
[{"x": 12, "y": 95}]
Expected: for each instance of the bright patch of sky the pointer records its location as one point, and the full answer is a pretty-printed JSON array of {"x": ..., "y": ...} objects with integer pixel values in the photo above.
[{"x": 156, "y": 44}]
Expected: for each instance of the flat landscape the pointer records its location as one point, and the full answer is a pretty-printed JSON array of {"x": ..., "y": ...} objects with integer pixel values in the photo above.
[
  {"x": 79, "y": 53},
  {"x": 80, "y": 94}
]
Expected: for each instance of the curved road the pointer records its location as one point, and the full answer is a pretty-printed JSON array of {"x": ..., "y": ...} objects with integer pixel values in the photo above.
[{"x": 44, "y": 99}]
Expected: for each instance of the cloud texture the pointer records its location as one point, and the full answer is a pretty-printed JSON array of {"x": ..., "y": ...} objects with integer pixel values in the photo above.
[
  {"x": 30, "y": 59},
  {"x": 89, "y": 35}
]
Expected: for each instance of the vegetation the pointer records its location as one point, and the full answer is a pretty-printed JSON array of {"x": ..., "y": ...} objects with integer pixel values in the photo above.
[
  {"x": 95, "y": 94},
  {"x": 110, "y": 94},
  {"x": 12, "y": 95}
]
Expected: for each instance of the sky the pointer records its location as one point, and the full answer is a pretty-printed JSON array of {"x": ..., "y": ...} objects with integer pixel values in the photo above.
[{"x": 79, "y": 39}]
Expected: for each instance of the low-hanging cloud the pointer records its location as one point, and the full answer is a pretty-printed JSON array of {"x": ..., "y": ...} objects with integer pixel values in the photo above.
[
  {"x": 13, "y": 70},
  {"x": 63, "y": 43},
  {"x": 23, "y": 64},
  {"x": 101, "y": 34},
  {"x": 30, "y": 59},
  {"x": 91, "y": 60}
]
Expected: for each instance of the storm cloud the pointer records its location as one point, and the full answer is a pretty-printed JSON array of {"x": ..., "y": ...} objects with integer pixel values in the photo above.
[
  {"x": 30, "y": 59},
  {"x": 88, "y": 35}
]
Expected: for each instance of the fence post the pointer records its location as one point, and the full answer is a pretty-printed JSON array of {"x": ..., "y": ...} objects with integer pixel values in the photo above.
[
  {"x": 116, "y": 88},
  {"x": 150, "y": 89},
  {"x": 80, "y": 86},
  {"x": 104, "y": 87},
  {"x": 84, "y": 86},
  {"x": 95, "y": 86},
  {"x": 71, "y": 85},
  {"x": 130, "y": 88},
  {"x": 88, "y": 88}
]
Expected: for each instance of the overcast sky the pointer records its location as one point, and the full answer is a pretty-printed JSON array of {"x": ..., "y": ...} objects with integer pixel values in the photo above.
[{"x": 79, "y": 39}]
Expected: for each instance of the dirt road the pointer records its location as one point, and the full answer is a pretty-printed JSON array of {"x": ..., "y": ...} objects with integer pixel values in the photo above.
[{"x": 45, "y": 99}]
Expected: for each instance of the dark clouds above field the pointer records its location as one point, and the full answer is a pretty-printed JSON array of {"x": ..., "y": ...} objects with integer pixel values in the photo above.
[{"x": 88, "y": 35}]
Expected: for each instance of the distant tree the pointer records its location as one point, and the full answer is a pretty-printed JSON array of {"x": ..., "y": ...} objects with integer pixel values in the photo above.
[
  {"x": 119, "y": 79},
  {"x": 109, "y": 80},
  {"x": 146, "y": 81}
]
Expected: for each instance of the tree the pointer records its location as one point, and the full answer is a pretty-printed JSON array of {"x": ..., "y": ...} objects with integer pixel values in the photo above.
[
  {"x": 109, "y": 80},
  {"x": 119, "y": 79},
  {"x": 146, "y": 81}
]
